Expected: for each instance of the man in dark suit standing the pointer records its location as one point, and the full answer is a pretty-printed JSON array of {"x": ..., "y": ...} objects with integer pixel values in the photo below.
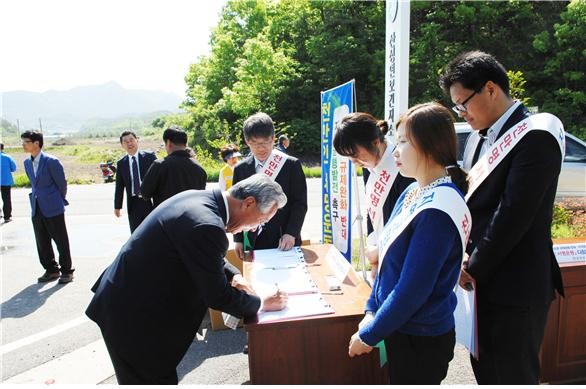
[
  {"x": 47, "y": 198},
  {"x": 130, "y": 171},
  {"x": 175, "y": 173},
  {"x": 284, "y": 230},
  {"x": 513, "y": 186},
  {"x": 150, "y": 301}
]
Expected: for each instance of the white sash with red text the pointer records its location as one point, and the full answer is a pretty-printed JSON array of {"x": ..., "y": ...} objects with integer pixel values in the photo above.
[
  {"x": 503, "y": 146},
  {"x": 442, "y": 197},
  {"x": 274, "y": 164},
  {"x": 378, "y": 187}
]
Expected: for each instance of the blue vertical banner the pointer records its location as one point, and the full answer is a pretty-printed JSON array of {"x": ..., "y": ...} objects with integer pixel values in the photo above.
[{"x": 336, "y": 171}]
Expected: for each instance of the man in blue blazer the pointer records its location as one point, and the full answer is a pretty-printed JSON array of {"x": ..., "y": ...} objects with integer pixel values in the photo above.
[
  {"x": 48, "y": 202},
  {"x": 130, "y": 171}
]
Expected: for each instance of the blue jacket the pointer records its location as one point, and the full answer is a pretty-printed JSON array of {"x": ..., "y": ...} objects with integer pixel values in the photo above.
[
  {"x": 48, "y": 187},
  {"x": 7, "y": 166},
  {"x": 413, "y": 293}
]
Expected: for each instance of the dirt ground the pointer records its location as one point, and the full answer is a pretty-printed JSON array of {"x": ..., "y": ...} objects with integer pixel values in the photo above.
[{"x": 80, "y": 171}]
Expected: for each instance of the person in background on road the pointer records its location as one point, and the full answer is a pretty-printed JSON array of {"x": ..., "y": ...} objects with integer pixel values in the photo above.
[
  {"x": 47, "y": 199},
  {"x": 359, "y": 137},
  {"x": 511, "y": 263},
  {"x": 151, "y": 300},
  {"x": 176, "y": 172},
  {"x": 230, "y": 154},
  {"x": 412, "y": 303},
  {"x": 283, "y": 143},
  {"x": 7, "y": 167},
  {"x": 130, "y": 171},
  {"x": 284, "y": 230}
]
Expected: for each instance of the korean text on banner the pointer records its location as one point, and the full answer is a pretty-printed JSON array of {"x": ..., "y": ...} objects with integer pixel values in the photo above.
[{"x": 336, "y": 171}]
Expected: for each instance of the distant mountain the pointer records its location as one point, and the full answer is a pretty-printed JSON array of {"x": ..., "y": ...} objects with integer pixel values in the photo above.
[{"x": 72, "y": 110}]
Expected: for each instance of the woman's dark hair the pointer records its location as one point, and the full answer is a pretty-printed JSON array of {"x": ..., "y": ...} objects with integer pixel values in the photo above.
[
  {"x": 357, "y": 129},
  {"x": 383, "y": 125},
  {"x": 430, "y": 127}
]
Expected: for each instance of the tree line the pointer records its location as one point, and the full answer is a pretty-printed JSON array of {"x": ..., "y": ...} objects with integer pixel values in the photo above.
[{"x": 276, "y": 57}]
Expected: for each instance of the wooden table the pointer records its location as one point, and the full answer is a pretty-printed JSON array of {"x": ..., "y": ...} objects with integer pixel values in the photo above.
[
  {"x": 314, "y": 350},
  {"x": 563, "y": 351}
]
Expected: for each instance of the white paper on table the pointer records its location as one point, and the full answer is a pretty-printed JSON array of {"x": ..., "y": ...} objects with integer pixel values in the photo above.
[
  {"x": 298, "y": 306},
  {"x": 276, "y": 258},
  {"x": 338, "y": 263},
  {"x": 465, "y": 318},
  {"x": 570, "y": 252},
  {"x": 292, "y": 281}
]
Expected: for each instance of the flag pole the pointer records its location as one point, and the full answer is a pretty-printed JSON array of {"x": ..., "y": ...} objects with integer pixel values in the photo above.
[{"x": 359, "y": 218}]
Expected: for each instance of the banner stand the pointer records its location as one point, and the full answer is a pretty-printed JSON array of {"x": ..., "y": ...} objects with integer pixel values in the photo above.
[{"x": 359, "y": 219}]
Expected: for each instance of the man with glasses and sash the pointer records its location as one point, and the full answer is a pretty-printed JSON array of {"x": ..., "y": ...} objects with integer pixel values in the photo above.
[
  {"x": 514, "y": 161},
  {"x": 284, "y": 230}
]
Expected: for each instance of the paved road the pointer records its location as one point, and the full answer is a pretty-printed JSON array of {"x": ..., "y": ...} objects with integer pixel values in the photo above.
[{"x": 45, "y": 336}]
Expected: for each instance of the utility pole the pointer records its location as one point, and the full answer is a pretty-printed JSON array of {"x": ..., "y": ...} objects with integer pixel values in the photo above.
[
  {"x": 18, "y": 125},
  {"x": 40, "y": 125}
]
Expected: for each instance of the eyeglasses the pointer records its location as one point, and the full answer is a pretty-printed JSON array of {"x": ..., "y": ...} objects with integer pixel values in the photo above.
[
  {"x": 255, "y": 144},
  {"x": 459, "y": 108}
]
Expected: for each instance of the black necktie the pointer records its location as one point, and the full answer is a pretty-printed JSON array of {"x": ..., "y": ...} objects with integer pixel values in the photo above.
[{"x": 135, "y": 177}]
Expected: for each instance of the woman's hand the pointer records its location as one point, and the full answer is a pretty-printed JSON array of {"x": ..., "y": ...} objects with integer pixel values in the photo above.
[{"x": 357, "y": 346}]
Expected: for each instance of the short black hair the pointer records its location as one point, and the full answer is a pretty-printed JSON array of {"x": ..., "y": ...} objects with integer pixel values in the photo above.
[
  {"x": 259, "y": 125},
  {"x": 176, "y": 135},
  {"x": 34, "y": 136},
  {"x": 473, "y": 69},
  {"x": 127, "y": 132},
  {"x": 282, "y": 139}
]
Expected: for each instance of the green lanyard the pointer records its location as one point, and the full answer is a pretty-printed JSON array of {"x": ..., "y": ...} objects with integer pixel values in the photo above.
[{"x": 247, "y": 244}]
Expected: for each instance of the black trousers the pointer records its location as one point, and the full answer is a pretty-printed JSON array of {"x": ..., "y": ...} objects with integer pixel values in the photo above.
[
  {"x": 6, "y": 202},
  {"x": 138, "y": 210},
  {"x": 128, "y": 373},
  {"x": 509, "y": 339},
  {"x": 421, "y": 360},
  {"x": 47, "y": 229}
]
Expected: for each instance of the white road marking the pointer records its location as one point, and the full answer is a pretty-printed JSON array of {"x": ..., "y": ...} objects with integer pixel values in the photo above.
[
  {"x": 41, "y": 335},
  {"x": 87, "y": 365}
]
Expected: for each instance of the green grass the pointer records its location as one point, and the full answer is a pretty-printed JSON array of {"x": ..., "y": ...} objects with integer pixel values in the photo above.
[
  {"x": 562, "y": 231},
  {"x": 561, "y": 224},
  {"x": 21, "y": 180}
]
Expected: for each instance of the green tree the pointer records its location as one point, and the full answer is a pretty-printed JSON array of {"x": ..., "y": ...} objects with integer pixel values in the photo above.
[
  {"x": 566, "y": 53},
  {"x": 276, "y": 56}
]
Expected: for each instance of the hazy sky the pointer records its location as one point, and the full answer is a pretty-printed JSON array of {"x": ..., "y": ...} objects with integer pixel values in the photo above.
[{"x": 60, "y": 44}]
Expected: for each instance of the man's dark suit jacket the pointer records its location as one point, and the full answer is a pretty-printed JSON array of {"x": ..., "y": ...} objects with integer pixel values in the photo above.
[
  {"x": 150, "y": 301},
  {"x": 510, "y": 247},
  {"x": 145, "y": 159},
  {"x": 288, "y": 219},
  {"x": 173, "y": 174}
]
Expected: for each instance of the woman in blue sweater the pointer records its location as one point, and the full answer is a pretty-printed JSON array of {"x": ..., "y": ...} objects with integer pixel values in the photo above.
[{"x": 412, "y": 301}]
